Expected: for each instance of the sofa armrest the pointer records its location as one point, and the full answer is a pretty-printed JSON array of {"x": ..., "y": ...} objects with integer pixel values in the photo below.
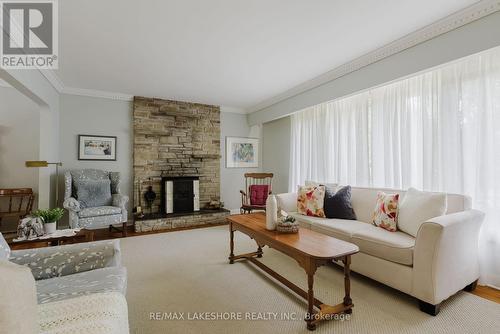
[
  {"x": 287, "y": 202},
  {"x": 71, "y": 204},
  {"x": 120, "y": 200},
  {"x": 65, "y": 260},
  {"x": 446, "y": 255}
]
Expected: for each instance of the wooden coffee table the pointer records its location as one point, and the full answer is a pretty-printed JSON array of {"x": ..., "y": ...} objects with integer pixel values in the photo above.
[{"x": 310, "y": 249}]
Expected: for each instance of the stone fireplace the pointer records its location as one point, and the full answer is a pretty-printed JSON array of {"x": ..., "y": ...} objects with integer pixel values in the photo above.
[{"x": 177, "y": 154}]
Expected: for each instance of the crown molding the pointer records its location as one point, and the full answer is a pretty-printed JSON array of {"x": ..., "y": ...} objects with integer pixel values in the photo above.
[
  {"x": 58, "y": 85},
  {"x": 53, "y": 79},
  {"x": 449, "y": 23},
  {"x": 233, "y": 110},
  {"x": 4, "y": 84},
  {"x": 97, "y": 93}
]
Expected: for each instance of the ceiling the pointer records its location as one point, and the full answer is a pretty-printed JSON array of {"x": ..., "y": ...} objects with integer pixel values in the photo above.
[{"x": 235, "y": 53}]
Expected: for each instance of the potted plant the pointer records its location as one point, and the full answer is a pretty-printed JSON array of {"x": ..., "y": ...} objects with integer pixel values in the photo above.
[{"x": 49, "y": 218}]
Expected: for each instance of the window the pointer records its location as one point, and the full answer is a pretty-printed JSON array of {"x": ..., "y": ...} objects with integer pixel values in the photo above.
[{"x": 436, "y": 131}]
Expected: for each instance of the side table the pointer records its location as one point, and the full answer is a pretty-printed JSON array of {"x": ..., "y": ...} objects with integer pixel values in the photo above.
[{"x": 81, "y": 236}]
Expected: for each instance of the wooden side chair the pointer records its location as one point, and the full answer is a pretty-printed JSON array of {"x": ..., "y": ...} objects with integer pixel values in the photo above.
[
  {"x": 257, "y": 187},
  {"x": 15, "y": 203}
]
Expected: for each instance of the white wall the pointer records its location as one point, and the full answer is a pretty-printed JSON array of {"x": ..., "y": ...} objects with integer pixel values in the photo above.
[
  {"x": 97, "y": 116},
  {"x": 231, "y": 179},
  {"x": 474, "y": 37},
  {"x": 34, "y": 85},
  {"x": 19, "y": 140},
  {"x": 276, "y": 152}
]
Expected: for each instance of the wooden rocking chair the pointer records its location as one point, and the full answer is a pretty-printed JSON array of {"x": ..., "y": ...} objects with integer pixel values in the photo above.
[{"x": 257, "y": 187}]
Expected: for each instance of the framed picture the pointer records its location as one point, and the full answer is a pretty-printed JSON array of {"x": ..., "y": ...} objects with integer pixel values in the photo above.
[
  {"x": 242, "y": 152},
  {"x": 96, "y": 147}
]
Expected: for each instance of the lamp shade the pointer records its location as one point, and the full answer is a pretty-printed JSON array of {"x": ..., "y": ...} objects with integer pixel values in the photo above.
[{"x": 36, "y": 163}]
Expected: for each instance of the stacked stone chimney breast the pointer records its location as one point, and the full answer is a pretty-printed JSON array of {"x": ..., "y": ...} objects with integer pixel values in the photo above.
[{"x": 173, "y": 138}]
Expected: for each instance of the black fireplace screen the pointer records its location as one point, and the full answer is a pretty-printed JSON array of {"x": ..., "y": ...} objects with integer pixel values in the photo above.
[{"x": 183, "y": 195}]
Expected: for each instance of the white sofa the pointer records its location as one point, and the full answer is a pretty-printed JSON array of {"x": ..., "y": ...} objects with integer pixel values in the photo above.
[{"x": 440, "y": 261}]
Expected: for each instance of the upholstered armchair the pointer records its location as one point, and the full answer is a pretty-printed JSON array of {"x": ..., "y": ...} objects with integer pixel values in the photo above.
[
  {"x": 76, "y": 288},
  {"x": 93, "y": 199}
]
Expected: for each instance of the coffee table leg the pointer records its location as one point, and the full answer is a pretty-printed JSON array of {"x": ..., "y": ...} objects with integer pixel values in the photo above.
[
  {"x": 347, "y": 283},
  {"x": 231, "y": 243},
  {"x": 310, "y": 302}
]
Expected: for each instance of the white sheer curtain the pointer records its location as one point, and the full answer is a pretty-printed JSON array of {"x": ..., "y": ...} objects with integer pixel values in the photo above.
[
  {"x": 330, "y": 143},
  {"x": 436, "y": 131}
]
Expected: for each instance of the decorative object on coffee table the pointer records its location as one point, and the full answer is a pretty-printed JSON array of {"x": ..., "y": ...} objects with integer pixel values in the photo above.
[
  {"x": 271, "y": 212},
  {"x": 91, "y": 147},
  {"x": 287, "y": 225},
  {"x": 242, "y": 152},
  {"x": 30, "y": 227},
  {"x": 49, "y": 217},
  {"x": 309, "y": 248}
]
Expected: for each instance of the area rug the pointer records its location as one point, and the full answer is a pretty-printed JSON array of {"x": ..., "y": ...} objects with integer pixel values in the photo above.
[{"x": 181, "y": 282}]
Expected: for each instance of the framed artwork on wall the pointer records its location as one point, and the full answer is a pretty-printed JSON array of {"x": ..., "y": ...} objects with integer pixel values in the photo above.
[
  {"x": 96, "y": 147},
  {"x": 242, "y": 152}
]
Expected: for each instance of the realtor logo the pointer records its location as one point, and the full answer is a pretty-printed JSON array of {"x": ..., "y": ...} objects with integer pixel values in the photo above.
[{"x": 29, "y": 36}]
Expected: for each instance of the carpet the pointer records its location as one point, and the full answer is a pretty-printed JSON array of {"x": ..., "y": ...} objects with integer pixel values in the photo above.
[{"x": 181, "y": 282}]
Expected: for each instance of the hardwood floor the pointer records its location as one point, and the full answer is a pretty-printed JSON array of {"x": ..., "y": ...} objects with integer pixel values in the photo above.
[
  {"x": 103, "y": 234},
  {"x": 487, "y": 293}
]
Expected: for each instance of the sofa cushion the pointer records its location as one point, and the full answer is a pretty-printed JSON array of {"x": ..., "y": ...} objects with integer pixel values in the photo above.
[
  {"x": 287, "y": 202},
  {"x": 99, "y": 211},
  {"x": 111, "y": 279},
  {"x": 18, "y": 306},
  {"x": 92, "y": 193},
  {"x": 337, "y": 228},
  {"x": 258, "y": 194},
  {"x": 363, "y": 201},
  {"x": 49, "y": 262},
  {"x": 419, "y": 206},
  {"x": 310, "y": 200},
  {"x": 385, "y": 213},
  {"x": 338, "y": 204},
  {"x": 98, "y": 313},
  {"x": 392, "y": 246}
]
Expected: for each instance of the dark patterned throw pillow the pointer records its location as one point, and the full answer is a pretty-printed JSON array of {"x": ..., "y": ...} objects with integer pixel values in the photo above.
[{"x": 338, "y": 204}]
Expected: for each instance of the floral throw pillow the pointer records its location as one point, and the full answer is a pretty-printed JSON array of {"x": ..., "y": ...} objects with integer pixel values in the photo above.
[
  {"x": 310, "y": 201},
  {"x": 385, "y": 214}
]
